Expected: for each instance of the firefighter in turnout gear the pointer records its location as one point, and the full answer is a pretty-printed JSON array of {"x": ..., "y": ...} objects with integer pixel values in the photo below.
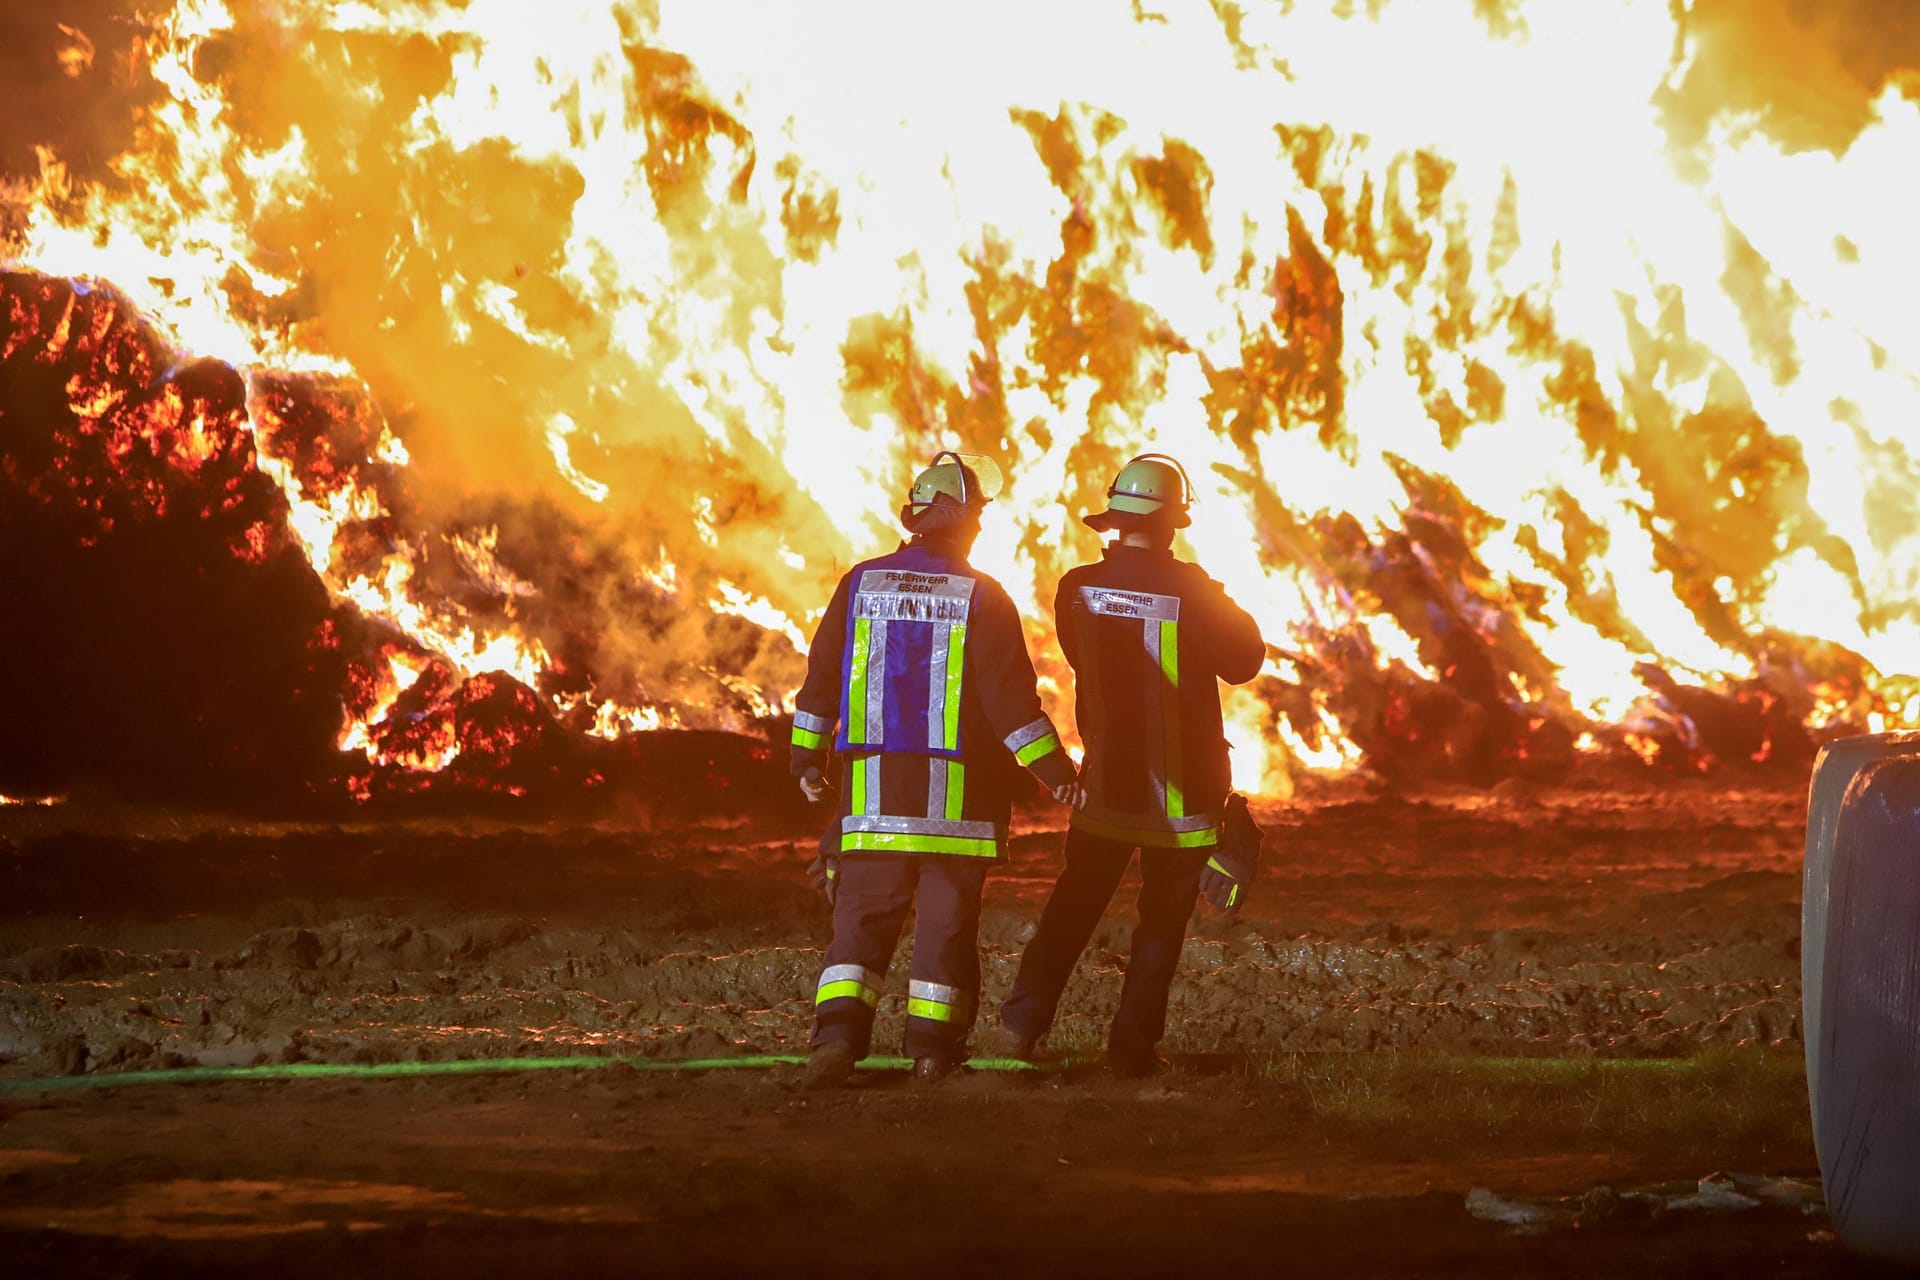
[
  {"x": 1147, "y": 635},
  {"x": 921, "y": 664}
]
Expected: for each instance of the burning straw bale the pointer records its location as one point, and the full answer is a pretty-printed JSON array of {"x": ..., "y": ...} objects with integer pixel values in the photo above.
[
  {"x": 160, "y": 623},
  {"x": 166, "y": 635},
  {"x": 149, "y": 488},
  {"x": 579, "y": 441}
]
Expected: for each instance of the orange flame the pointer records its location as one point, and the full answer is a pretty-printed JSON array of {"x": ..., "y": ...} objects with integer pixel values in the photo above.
[{"x": 1492, "y": 377}]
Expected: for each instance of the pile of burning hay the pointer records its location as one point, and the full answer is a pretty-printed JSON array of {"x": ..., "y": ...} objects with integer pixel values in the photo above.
[{"x": 168, "y": 633}]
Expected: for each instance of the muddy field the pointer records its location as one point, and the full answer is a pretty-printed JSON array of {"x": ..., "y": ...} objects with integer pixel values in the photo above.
[{"x": 1654, "y": 922}]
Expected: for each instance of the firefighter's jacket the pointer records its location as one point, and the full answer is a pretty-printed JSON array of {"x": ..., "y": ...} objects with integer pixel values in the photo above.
[
  {"x": 922, "y": 665},
  {"x": 1147, "y": 635}
]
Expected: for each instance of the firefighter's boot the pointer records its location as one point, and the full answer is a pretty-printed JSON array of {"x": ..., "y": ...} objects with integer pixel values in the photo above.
[
  {"x": 935, "y": 1067},
  {"x": 1004, "y": 1042},
  {"x": 829, "y": 1066}
]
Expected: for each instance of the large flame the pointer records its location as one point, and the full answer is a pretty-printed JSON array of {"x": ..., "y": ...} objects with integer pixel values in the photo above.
[{"x": 1508, "y": 359}]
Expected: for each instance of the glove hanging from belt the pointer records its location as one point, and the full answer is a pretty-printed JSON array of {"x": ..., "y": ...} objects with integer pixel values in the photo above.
[
  {"x": 823, "y": 873},
  {"x": 1233, "y": 865}
]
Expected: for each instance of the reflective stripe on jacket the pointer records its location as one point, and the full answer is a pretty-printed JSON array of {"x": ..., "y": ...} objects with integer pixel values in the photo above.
[
  {"x": 921, "y": 663},
  {"x": 905, "y": 660},
  {"x": 1148, "y": 636}
]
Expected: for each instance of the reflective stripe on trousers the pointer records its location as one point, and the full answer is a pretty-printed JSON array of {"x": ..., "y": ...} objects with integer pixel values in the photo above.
[
  {"x": 849, "y": 981},
  {"x": 939, "y": 1002},
  {"x": 877, "y": 893}
]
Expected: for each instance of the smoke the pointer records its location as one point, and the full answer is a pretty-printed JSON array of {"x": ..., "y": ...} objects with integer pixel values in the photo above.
[
  {"x": 1807, "y": 71},
  {"x": 496, "y": 324},
  {"x": 75, "y": 83}
]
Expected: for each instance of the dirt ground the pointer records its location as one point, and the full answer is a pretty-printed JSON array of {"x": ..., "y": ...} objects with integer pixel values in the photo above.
[{"x": 1656, "y": 922}]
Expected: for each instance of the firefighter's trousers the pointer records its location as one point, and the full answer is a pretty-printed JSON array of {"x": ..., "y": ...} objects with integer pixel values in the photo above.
[
  {"x": 875, "y": 892},
  {"x": 1170, "y": 883}
]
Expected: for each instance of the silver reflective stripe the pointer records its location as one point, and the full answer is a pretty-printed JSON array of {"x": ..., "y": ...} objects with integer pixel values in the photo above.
[
  {"x": 936, "y": 788},
  {"x": 946, "y": 788},
  {"x": 891, "y": 824},
  {"x": 811, "y": 723},
  {"x": 1090, "y": 697},
  {"x": 937, "y": 690},
  {"x": 1150, "y": 821},
  {"x": 871, "y": 767},
  {"x": 1145, "y": 835},
  {"x": 1155, "y": 716},
  {"x": 852, "y": 973},
  {"x": 890, "y": 594},
  {"x": 919, "y": 990},
  {"x": 1032, "y": 731},
  {"x": 1130, "y": 604},
  {"x": 1169, "y": 685},
  {"x": 1159, "y": 716},
  {"x": 876, "y": 712}
]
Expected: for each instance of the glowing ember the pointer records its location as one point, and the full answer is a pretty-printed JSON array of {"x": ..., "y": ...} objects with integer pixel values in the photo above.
[{"x": 1542, "y": 403}]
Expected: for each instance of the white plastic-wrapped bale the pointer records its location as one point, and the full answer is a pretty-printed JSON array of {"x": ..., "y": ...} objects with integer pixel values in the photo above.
[
  {"x": 1836, "y": 766},
  {"x": 1866, "y": 1105}
]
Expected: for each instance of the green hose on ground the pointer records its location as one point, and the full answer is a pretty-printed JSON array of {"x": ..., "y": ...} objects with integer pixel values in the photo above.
[
  {"x": 1545, "y": 1069},
  {"x": 465, "y": 1066}
]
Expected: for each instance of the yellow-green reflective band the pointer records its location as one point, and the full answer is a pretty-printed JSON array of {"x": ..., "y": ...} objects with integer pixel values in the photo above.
[
  {"x": 1181, "y": 839},
  {"x": 1037, "y": 748},
  {"x": 1170, "y": 718},
  {"x": 1233, "y": 894},
  {"x": 857, "y": 680},
  {"x": 956, "y": 663},
  {"x": 847, "y": 991},
  {"x": 909, "y": 842},
  {"x": 857, "y": 785},
  {"x": 932, "y": 1010},
  {"x": 939, "y": 1002},
  {"x": 1031, "y": 731},
  {"x": 807, "y": 738},
  {"x": 1214, "y": 863},
  {"x": 956, "y": 790},
  {"x": 1157, "y": 839}
]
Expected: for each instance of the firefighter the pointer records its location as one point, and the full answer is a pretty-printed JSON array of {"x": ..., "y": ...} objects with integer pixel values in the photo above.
[
  {"x": 1146, "y": 635},
  {"x": 922, "y": 664}
]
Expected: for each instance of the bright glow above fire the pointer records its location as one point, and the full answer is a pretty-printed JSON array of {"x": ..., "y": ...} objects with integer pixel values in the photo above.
[{"x": 1489, "y": 382}]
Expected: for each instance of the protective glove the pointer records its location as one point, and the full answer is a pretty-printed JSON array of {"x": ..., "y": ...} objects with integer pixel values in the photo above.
[
  {"x": 823, "y": 873},
  {"x": 1233, "y": 865}
]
